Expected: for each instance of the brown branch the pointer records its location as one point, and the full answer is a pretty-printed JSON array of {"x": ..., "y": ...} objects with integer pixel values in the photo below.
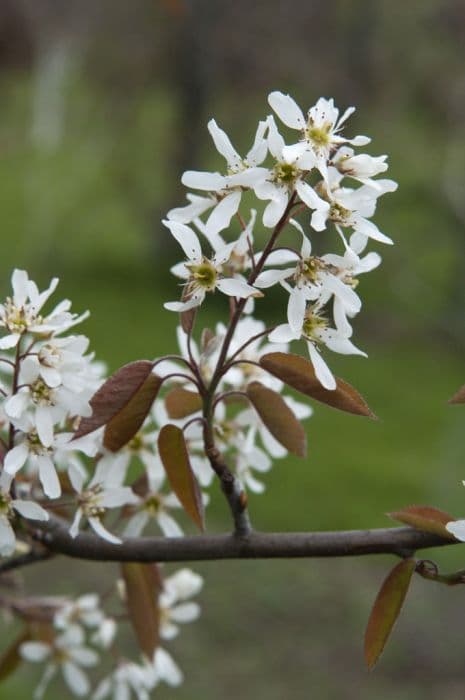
[
  {"x": 21, "y": 560},
  {"x": 402, "y": 541}
]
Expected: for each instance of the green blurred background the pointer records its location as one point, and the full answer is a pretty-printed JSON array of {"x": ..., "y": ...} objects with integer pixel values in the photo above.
[{"x": 103, "y": 105}]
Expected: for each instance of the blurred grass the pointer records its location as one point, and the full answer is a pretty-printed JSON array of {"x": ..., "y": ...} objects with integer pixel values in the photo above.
[{"x": 89, "y": 212}]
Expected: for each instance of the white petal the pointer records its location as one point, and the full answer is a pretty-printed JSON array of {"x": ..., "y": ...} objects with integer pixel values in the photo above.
[
  {"x": 322, "y": 371},
  {"x": 77, "y": 476},
  {"x": 9, "y": 341},
  {"x": 44, "y": 425},
  {"x": 283, "y": 334},
  {"x": 186, "y": 238},
  {"x": 136, "y": 524},
  {"x": 16, "y": 458},
  {"x": 17, "y": 404},
  {"x": 368, "y": 228},
  {"x": 236, "y": 288},
  {"x": 51, "y": 376},
  {"x": 31, "y": 510},
  {"x": 116, "y": 497},
  {"x": 337, "y": 343},
  {"x": 196, "y": 207},
  {"x": 340, "y": 318},
  {"x": 287, "y": 110},
  {"x": 346, "y": 294},
  {"x": 48, "y": 477},
  {"x": 180, "y": 306},
  {"x": 253, "y": 484},
  {"x": 202, "y": 181},
  {"x": 76, "y": 679},
  {"x": 7, "y": 537},
  {"x": 20, "y": 283},
  {"x": 275, "y": 209},
  {"x": 270, "y": 277},
  {"x": 168, "y": 525},
  {"x": 457, "y": 528},
  {"x": 166, "y": 668},
  {"x": 308, "y": 195},
  {"x": 223, "y": 254},
  {"x": 84, "y": 656},
  {"x": 223, "y": 144},
  {"x": 294, "y": 152},
  {"x": 34, "y": 651},
  {"x": 221, "y": 215},
  {"x": 275, "y": 140},
  {"x": 296, "y": 310},
  {"x": 186, "y": 612},
  {"x": 280, "y": 256},
  {"x": 102, "y": 532},
  {"x": 74, "y": 529}
]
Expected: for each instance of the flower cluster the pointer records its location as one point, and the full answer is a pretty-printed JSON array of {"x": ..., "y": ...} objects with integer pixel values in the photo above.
[
  {"x": 319, "y": 173},
  {"x": 77, "y": 632},
  {"x": 123, "y": 454}
]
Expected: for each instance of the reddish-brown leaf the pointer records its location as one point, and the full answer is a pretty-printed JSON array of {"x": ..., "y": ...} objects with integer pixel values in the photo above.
[
  {"x": 175, "y": 459},
  {"x": 142, "y": 590},
  {"x": 298, "y": 373},
  {"x": 180, "y": 402},
  {"x": 11, "y": 658},
  {"x": 386, "y": 609},
  {"x": 278, "y": 418},
  {"x": 187, "y": 318},
  {"x": 425, "y": 518},
  {"x": 459, "y": 397},
  {"x": 125, "y": 424},
  {"x": 114, "y": 395}
]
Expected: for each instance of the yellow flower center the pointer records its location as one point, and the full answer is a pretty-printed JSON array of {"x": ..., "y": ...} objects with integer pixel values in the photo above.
[
  {"x": 5, "y": 504},
  {"x": 41, "y": 394},
  {"x": 89, "y": 501},
  {"x": 339, "y": 214},
  {"x": 203, "y": 275},
  {"x": 313, "y": 323},
  {"x": 285, "y": 173},
  {"x": 309, "y": 269},
  {"x": 319, "y": 135}
]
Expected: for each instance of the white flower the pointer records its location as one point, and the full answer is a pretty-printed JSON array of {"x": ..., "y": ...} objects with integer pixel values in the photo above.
[
  {"x": 320, "y": 130},
  {"x": 242, "y": 173},
  {"x": 20, "y": 313},
  {"x": 30, "y": 451},
  {"x": 361, "y": 167},
  {"x": 287, "y": 175},
  {"x": 166, "y": 669},
  {"x": 352, "y": 207},
  {"x": 203, "y": 275},
  {"x": 316, "y": 279},
  {"x": 84, "y": 610},
  {"x": 61, "y": 361},
  {"x": 94, "y": 500},
  {"x": 314, "y": 328},
  {"x": 173, "y": 610},
  {"x": 66, "y": 652},
  {"x": 27, "y": 509},
  {"x": 154, "y": 505},
  {"x": 126, "y": 678}
]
